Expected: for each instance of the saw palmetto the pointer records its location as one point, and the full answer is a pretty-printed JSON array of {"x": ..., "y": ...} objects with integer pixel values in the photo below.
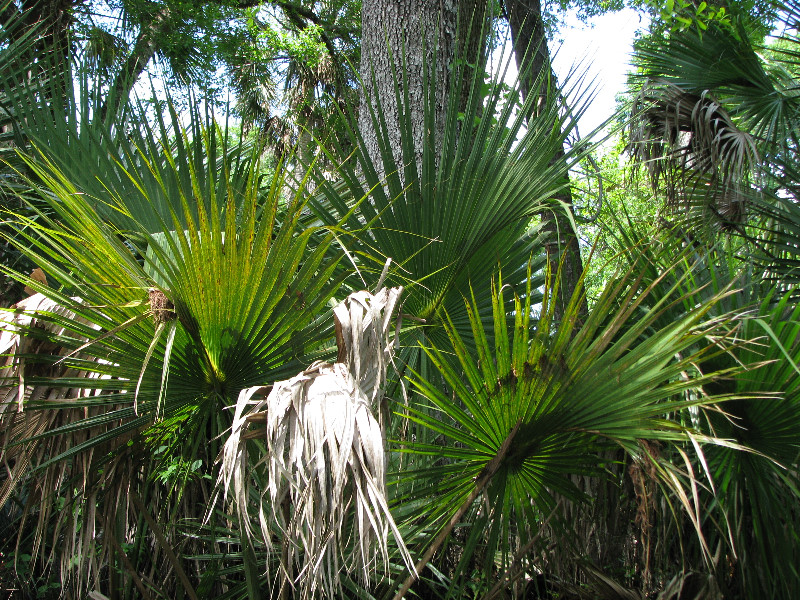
[{"x": 227, "y": 268}]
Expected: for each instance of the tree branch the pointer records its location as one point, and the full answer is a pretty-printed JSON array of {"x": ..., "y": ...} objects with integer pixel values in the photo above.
[
  {"x": 311, "y": 16},
  {"x": 296, "y": 15},
  {"x": 143, "y": 51}
]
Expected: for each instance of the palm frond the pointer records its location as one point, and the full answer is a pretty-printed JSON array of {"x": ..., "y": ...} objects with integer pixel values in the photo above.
[
  {"x": 450, "y": 211},
  {"x": 760, "y": 490},
  {"x": 325, "y": 503},
  {"x": 246, "y": 281},
  {"x": 556, "y": 398},
  {"x": 716, "y": 116},
  {"x": 690, "y": 143}
]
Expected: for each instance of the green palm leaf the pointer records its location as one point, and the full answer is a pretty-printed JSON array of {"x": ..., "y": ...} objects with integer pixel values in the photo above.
[
  {"x": 760, "y": 491},
  {"x": 242, "y": 283},
  {"x": 716, "y": 116},
  {"x": 536, "y": 405},
  {"x": 458, "y": 207}
]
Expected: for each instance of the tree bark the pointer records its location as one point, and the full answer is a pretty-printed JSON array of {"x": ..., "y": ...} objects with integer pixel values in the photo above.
[
  {"x": 536, "y": 76},
  {"x": 422, "y": 31}
]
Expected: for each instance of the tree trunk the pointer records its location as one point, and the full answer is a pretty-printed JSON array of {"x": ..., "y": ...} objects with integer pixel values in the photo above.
[
  {"x": 602, "y": 525},
  {"x": 422, "y": 31},
  {"x": 536, "y": 76}
]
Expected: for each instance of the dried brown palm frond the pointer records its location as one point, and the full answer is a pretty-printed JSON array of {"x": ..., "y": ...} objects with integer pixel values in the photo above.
[
  {"x": 15, "y": 344},
  {"x": 689, "y": 143},
  {"x": 324, "y": 509},
  {"x": 30, "y": 336}
]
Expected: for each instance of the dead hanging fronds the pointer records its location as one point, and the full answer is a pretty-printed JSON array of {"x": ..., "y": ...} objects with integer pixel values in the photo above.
[
  {"x": 17, "y": 327},
  {"x": 324, "y": 509},
  {"x": 689, "y": 144},
  {"x": 364, "y": 337},
  {"x": 32, "y": 371},
  {"x": 644, "y": 475}
]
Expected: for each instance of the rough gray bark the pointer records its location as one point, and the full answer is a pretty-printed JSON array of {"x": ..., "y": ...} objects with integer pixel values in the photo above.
[
  {"x": 533, "y": 60},
  {"x": 422, "y": 30}
]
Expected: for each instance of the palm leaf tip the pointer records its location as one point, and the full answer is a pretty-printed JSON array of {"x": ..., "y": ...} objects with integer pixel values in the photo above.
[{"x": 326, "y": 460}]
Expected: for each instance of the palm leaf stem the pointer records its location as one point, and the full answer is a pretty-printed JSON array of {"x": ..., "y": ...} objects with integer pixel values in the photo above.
[
  {"x": 162, "y": 540},
  {"x": 137, "y": 581},
  {"x": 501, "y": 583},
  {"x": 481, "y": 482}
]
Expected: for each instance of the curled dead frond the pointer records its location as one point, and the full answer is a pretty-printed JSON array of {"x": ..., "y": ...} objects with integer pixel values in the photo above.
[
  {"x": 690, "y": 144},
  {"x": 363, "y": 336},
  {"x": 324, "y": 510}
]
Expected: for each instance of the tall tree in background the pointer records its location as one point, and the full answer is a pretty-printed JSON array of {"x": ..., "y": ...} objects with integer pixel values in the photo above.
[
  {"x": 420, "y": 34},
  {"x": 296, "y": 70},
  {"x": 529, "y": 39},
  {"x": 600, "y": 526}
]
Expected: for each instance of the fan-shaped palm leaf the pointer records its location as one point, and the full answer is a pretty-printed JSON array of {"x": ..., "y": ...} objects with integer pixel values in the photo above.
[
  {"x": 717, "y": 114},
  {"x": 453, "y": 210},
  {"x": 760, "y": 490},
  {"x": 243, "y": 281},
  {"x": 536, "y": 405}
]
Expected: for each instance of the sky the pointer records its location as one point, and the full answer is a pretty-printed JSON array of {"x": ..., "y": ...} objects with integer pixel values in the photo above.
[{"x": 601, "y": 49}]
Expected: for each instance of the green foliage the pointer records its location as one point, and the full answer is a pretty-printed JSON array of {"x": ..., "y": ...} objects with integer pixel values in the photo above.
[
  {"x": 181, "y": 271},
  {"x": 292, "y": 65},
  {"x": 544, "y": 400},
  {"x": 715, "y": 124},
  {"x": 683, "y": 15},
  {"x": 610, "y": 200},
  {"x": 675, "y": 17},
  {"x": 759, "y": 492},
  {"x": 242, "y": 281},
  {"x": 452, "y": 211},
  {"x": 17, "y": 43},
  {"x": 195, "y": 38}
]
